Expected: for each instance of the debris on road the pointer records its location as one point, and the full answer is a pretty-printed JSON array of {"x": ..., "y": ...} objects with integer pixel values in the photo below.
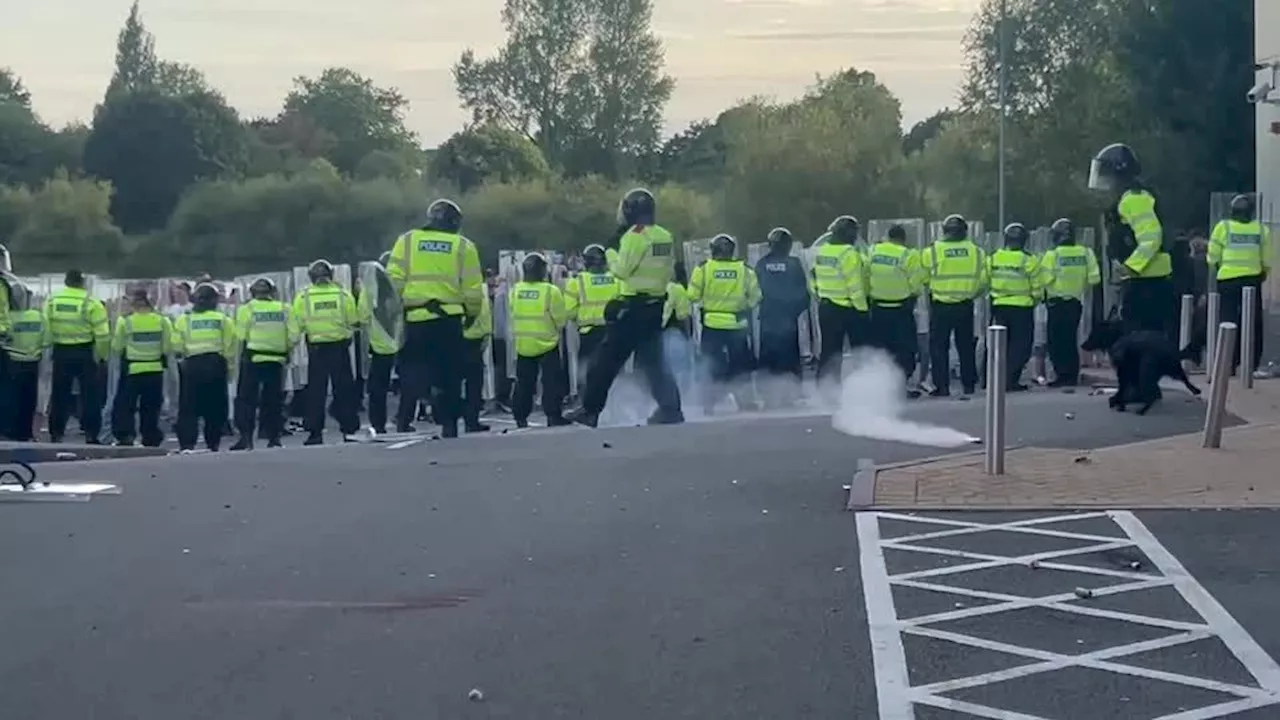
[
  {"x": 1084, "y": 593},
  {"x": 475, "y": 695}
]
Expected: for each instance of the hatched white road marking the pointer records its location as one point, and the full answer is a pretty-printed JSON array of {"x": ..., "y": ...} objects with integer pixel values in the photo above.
[{"x": 897, "y": 697}]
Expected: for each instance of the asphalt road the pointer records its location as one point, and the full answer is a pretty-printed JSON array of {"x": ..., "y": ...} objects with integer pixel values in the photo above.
[{"x": 699, "y": 571}]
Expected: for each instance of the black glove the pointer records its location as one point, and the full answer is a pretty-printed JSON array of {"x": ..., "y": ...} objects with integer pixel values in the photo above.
[
  {"x": 434, "y": 306},
  {"x": 613, "y": 310}
]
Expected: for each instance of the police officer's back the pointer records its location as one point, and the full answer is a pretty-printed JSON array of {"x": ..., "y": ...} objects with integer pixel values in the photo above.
[
  {"x": 1068, "y": 272},
  {"x": 955, "y": 271},
  {"x": 1239, "y": 254},
  {"x": 437, "y": 272},
  {"x": 538, "y": 314},
  {"x": 268, "y": 332},
  {"x": 143, "y": 342},
  {"x": 1015, "y": 289},
  {"x": 644, "y": 264},
  {"x": 587, "y": 296},
  {"x": 784, "y": 291},
  {"x": 327, "y": 320},
  {"x": 1136, "y": 240},
  {"x": 894, "y": 279},
  {"x": 727, "y": 290},
  {"x": 206, "y": 341},
  {"x": 23, "y": 348},
  {"x": 80, "y": 339}
]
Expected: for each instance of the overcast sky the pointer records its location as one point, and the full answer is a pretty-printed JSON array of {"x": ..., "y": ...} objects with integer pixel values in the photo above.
[{"x": 718, "y": 50}]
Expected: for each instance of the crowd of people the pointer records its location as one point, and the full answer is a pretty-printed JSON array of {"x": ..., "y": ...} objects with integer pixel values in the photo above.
[{"x": 435, "y": 319}]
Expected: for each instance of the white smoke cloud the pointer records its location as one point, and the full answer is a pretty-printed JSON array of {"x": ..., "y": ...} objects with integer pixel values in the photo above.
[{"x": 873, "y": 403}]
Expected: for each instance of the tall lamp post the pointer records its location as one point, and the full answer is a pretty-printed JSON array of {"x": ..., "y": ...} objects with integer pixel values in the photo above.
[{"x": 1004, "y": 104}]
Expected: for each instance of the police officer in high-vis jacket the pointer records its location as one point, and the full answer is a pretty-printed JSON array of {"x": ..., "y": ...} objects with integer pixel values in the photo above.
[
  {"x": 538, "y": 315},
  {"x": 437, "y": 272},
  {"x": 727, "y": 291},
  {"x": 24, "y": 347},
  {"x": 205, "y": 339},
  {"x": 1240, "y": 256},
  {"x": 894, "y": 279},
  {"x": 955, "y": 270},
  {"x": 587, "y": 296},
  {"x": 1136, "y": 241},
  {"x": 1068, "y": 271},
  {"x": 1015, "y": 290},
  {"x": 327, "y": 319},
  {"x": 143, "y": 342},
  {"x": 80, "y": 336},
  {"x": 268, "y": 332},
  {"x": 840, "y": 282},
  {"x": 644, "y": 264}
]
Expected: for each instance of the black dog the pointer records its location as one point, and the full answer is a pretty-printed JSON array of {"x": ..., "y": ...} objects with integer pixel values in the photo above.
[{"x": 1140, "y": 358}]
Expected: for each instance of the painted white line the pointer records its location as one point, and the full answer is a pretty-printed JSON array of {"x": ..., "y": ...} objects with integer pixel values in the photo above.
[
  {"x": 892, "y": 678},
  {"x": 1247, "y": 650},
  {"x": 888, "y": 657},
  {"x": 406, "y": 443}
]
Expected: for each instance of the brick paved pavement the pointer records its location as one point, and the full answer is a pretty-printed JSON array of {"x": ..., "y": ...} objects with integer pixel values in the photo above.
[{"x": 1173, "y": 472}]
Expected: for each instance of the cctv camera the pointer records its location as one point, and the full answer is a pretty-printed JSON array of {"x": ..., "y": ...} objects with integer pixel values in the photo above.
[{"x": 1260, "y": 93}]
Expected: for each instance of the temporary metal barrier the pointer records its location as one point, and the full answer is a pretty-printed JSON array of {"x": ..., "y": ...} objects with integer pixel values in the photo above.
[
  {"x": 1220, "y": 382},
  {"x": 1248, "y": 316},
  {"x": 1185, "y": 314},
  {"x": 997, "y": 363}
]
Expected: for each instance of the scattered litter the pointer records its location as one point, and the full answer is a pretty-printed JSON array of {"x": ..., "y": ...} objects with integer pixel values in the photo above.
[
  {"x": 68, "y": 456},
  {"x": 1070, "y": 416},
  {"x": 808, "y": 431},
  {"x": 186, "y": 551},
  {"x": 1082, "y": 460},
  {"x": 1034, "y": 564},
  {"x": 764, "y": 512},
  {"x": 1135, "y": 565},
  {"x": 605, "y": 445},
  {"x": 959, "y": 606},
  {"x": 475, "y": 695},
  {"x": 431, "y": 576},
  {"x": 734, "y": 482},
  {"x": 1084, "y": 593},
  {"x": 434, "y": 462},
  {"x": 839, "y": 568}
]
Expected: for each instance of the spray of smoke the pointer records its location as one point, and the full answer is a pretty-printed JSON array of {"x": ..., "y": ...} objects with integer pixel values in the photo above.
[{"x": 872, "y": 405}]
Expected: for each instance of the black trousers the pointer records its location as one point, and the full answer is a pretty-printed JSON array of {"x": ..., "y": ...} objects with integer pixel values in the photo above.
[
  {"x": 380, "y": 367},
  {"x": 779, "y": 345},
  {"x": 431, "y": 368},
  {"x": 1063, "y": 335},
  {"x": 728, "y": 355},
  {"x": 836, "y": 323},
  {"x": 329, "y": 363},
  {"x": 259, "y": 399},
  {"x": 472, "y": 380},
  {"x": 501, "y": 378},
  {"x": 1232, "y": 292},
  {"x": 1150, "y": 304},
  {"x": 637, "y": 330},
  {"x": 948, "y": 321},
  {"x": 20, "y": 385},
  {"x": 893, "y": 329},
  {"x": 528, "y": 370},
  {"x": 72, "y": 365},
  {"x": 202, "y": 396},
  {"x": 1021, "y": 324},
  {"x": 139, "y": 395}
]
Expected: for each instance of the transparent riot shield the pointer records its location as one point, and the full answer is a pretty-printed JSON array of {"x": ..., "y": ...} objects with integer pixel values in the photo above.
[
  {"x": 696, "y": 252},
  {"x": 508, "y": 274},
  {"x": 384, "y": 304},
  {"x": 559, "y": 275},
  {"x": 1038, "y": 245}
]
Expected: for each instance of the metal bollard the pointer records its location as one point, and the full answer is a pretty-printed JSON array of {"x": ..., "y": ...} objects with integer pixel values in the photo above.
[
  {"x": 1248, "y": 316},
  {"x": 1184, "y": 320},
  {"x": 997, "y": 364},
  {"x": 1220, "y": 379},
  {"x": 1213, "y": 317}
]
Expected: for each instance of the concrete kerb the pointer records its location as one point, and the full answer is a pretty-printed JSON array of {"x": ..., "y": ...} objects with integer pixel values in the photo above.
[{"x": 34, "y": 453}]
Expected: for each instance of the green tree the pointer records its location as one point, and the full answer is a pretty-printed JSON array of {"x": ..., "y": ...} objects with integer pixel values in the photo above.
[
  {"x": 136, "y": 61},
  {"x": 152, "y": 146},
  {"x": 360, "y": 116},
  {"x": 926, "y": 130},
  {"x": 12, "y": 90},
  {"x": 487, "y": 153},
  {"x": 63, "y": 222},
  {"x": 582, "y": 78}
]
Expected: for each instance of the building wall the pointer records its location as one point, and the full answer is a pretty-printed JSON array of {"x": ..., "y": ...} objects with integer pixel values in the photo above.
[{"x": 1266, "y": 32}]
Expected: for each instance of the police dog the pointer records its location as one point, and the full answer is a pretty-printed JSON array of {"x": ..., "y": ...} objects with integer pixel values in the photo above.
[{"x": 1140, "y": 358}]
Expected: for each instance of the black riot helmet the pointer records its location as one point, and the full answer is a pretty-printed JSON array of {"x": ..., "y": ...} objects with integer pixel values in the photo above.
[
  {"x": 1016, "y": 236},
  {"x": 723, "y": 247},
  {"x": 262, "y": 289},
  {"x": 1062, "y": 232},
  {"x": 1115, "y": 167},
  {"x": 204, "y": 298},
  {"x": 637, "y": 207},
  {"x": 139, "y": 299},
  {"x": 534, "y": 268},
  {"x": 443, "y": 215},
  {"x": 780, "y": 241},
  {"x": 844, "y": 230},
  {"x": 1243, "y": 209},
  {"x": 955, "y": 227},
  {"x": 594, "y": 259},
  {"x": 320, "y": 271},
  {"x": 898, "y": 234}
]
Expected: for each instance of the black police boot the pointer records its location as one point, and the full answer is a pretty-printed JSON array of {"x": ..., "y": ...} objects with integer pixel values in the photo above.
[
  {"x": 274, "y": 443},
  {"x": 557, "y": 421},
  {"x": 244, "y": 443},
  {"x": 449, "y": 430},
  {"x": 939, "y": 393},
  {"x": 582, "y": 417},
  {"x": 522, "y": 423},
  {"x": 660, "y": 417},
  {"x": 475, "y": 426},
  {"x": 314, "y": 439}
]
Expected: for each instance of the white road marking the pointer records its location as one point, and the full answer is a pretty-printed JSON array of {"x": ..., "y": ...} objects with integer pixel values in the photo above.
[{"x": 897, "y": 697}]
